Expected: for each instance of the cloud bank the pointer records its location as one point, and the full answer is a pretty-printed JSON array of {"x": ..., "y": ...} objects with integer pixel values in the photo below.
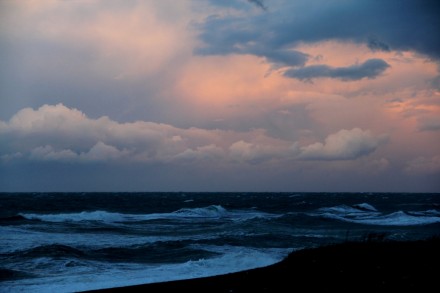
[
  {"x": 275, "y": 35},
  {"x": 369, "y": 69},
  {"x": 258, "y": 3},
  {"x": 58, "y": 133}
]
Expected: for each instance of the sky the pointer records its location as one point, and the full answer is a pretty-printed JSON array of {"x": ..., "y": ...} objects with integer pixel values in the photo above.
[{"x": 220, "y": 95}]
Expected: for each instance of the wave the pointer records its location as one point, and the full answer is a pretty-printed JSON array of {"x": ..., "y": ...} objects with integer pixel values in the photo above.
[
  {"x": 345, "y": 210},
  {"x": 79, "y": 217},
  {"x": 100, "y": 276},
  {"x": 210, "y": 212},
  {"x": 19, "y": 240},
  {"x": 53, "y": 250},
  {"x": 16, "y": 218},
  {"x": 365, "y": 207},
  {"x": 426, "y": 213},
  {"x": 368, "y": 215},
  {"x": 9, "y": 274},
  {"x": 162, "y": 252}
]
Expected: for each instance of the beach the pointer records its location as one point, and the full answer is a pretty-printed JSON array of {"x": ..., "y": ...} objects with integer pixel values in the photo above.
[{"x": 351, "y": 266}]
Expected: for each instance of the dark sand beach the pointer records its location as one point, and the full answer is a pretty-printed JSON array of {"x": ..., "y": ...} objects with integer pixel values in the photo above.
[{"x": 351, "y": 266}]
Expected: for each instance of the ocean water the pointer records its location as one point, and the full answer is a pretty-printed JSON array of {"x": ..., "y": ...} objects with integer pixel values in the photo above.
[{"x": 69, "y": 242}]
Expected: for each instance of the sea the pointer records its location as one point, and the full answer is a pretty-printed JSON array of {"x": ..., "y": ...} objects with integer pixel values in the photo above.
[{"x": 72, "y": 242}]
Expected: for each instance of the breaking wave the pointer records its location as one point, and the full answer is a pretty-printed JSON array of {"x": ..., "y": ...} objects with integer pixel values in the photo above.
[{"x": 368, "y": 215}]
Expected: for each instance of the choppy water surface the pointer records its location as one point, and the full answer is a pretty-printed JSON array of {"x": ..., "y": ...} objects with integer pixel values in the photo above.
[{"x": 65, "y": 242}]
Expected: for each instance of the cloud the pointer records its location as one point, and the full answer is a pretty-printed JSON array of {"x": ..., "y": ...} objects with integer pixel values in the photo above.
[
  {"x": 221, "y": 37},
  {"x": 187, "y": 84},
  {"x": 208, "y": 152},
  {"x": 238, "y": 4},
  {"x": 103, "y": 152},
  {"x": 66, "y": 127},
  {"x": 258, "y": 3},
  {"x": 343, "y": 145},
  {"x": 369, "y": 69},
  {"x": 377, "y": 45},
  {"x": 253, "y": 152},
  {"x": 422, "y": 165},
  {"x": 429, "y": 124},
  {"x": 436, "y": 82},
  {"x": 380, "y": 26},
  {"x": 108, "y": 53},
  {"x": 378, "y": 165},
  {"x": 100, "y": 152},
  {"x": 58, "y": 133},
  {"x": 48, "y": 153}
]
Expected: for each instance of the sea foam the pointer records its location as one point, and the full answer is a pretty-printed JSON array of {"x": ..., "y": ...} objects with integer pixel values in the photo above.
[
  {"x": 209, "y": 212},
  {"x": 367, "y": 214}
]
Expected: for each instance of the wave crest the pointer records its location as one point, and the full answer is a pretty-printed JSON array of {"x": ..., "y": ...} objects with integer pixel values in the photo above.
[
  {"x": 368, "y": 215},
  {"x": 209, "y": 212}
]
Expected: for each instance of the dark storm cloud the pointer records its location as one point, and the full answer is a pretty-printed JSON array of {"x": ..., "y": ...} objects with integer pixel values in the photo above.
[
  {"x": 436, "y": 82},
  {"x": 238, "y": 4},
  {"x": 283, "y": 57},
  {"x": 382, "y": 25},
  {"x": 222, "y": 38},
  {"x": 259, "y": 4},
  {"x": 377, "y": 45},
  {"x": 369, "y": 69}
]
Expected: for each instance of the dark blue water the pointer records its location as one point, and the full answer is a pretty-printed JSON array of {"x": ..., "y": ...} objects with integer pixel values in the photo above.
[{"x": 65, "y": 242}]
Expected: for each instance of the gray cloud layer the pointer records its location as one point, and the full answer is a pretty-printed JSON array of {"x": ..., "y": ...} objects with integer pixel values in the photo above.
[
  {"x": 369, "y": 69},
  {"x": 258, "y": 3},
  {"x": 381, "y": 25}
]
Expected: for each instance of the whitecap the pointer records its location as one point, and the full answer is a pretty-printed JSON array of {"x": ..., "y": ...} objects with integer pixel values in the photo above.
[
  {"x": 78, "y": 217},
  {"x": 365, "y": 206},
  {"x": 399, "y": 218},
  {"x": 97, "y": 275},
  {"x": 209, "y": 212}
]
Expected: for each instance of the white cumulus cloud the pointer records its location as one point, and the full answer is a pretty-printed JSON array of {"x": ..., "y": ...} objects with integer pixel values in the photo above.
[
  {"x": 59, "y": 133},
  {"x": 258, "y": 151},
  {"x": 48, "y": 153},
  {"x": 208, "y": 152},
  {"x": 343, "y": 145}
]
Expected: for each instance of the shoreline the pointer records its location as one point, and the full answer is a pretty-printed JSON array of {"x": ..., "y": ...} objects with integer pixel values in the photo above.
[{"x": 351, "y": 266}]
